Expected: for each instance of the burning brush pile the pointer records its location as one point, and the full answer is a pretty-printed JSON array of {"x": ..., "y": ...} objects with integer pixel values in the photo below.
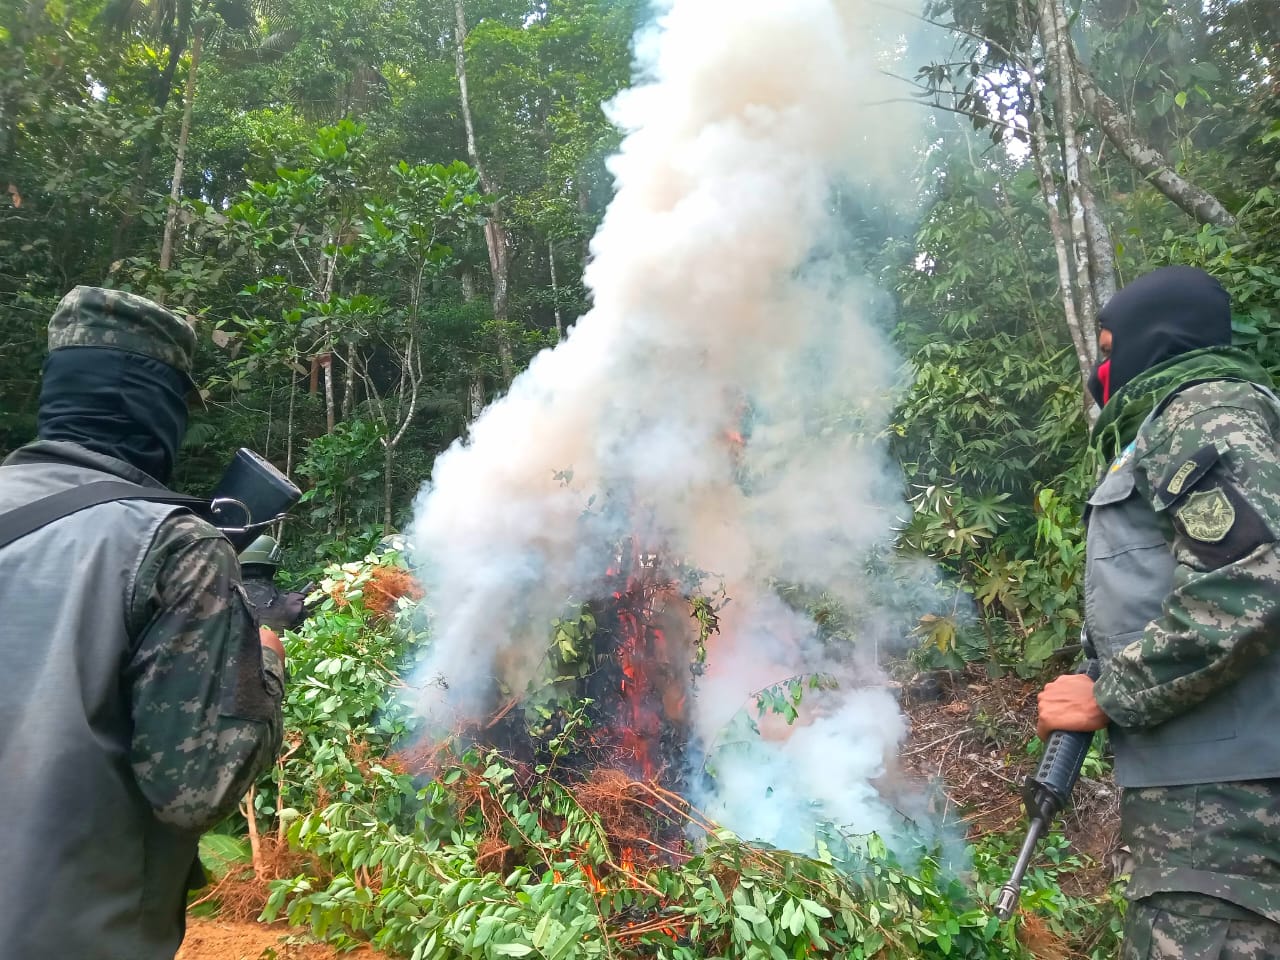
[
  {"x": 606, "y": 718},
  {"x": 717, "y": 412}
]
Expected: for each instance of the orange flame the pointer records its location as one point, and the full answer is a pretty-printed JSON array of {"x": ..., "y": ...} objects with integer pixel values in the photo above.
[{"x": 596, "y": 885}]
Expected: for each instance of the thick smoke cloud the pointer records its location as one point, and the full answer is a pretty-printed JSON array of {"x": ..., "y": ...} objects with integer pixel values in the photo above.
[{"x": 718, "y": 309}]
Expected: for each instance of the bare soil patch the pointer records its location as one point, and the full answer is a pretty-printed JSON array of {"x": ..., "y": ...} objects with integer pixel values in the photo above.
[{"x": 235, "y": 940}]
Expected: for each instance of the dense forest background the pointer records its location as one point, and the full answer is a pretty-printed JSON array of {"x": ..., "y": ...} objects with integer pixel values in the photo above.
[{"x": 376, "y": 213}]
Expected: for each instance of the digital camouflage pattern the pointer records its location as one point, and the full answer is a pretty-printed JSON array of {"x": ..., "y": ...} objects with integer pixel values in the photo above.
[
  {"x": 1206, "y": 857},
  {"x": 206, "y": 695},
  {"x": 1218, "y": 840},
  {"x": 1174, "y": 927},
  {"x": 1209, "y": 461},
  {"x": 98, "y": 317}
]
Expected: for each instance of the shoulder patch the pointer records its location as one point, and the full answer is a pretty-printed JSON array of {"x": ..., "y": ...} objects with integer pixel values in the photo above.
[
  {"x": 1188, "y": 473},
  {"x": 1125, "y": 456},
  {"x": 1207, "y": 516}
]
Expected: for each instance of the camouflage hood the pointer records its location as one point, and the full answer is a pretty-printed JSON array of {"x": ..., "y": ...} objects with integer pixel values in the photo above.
[{"x": 1118, "y": 424}]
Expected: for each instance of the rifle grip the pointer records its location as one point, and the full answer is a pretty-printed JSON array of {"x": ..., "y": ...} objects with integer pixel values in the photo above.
[{"x": 1064, "y": 754}]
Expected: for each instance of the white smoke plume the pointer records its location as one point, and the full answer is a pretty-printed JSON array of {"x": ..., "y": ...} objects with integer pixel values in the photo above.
[{"x": 711, "y": 296}]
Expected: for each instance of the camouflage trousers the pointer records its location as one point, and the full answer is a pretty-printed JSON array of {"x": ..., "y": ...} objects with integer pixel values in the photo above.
[
  {"x": 1206, "y": 871},
  {"x": 1183, "y": 926}
]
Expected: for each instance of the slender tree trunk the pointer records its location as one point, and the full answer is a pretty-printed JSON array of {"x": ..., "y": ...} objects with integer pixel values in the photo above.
[
  {"x": 1102, "y": 252},
  {"x": 495, "y": 231},
  {"x": 1055, "y": 40},
  {"x": 328, "y": 266},
  {"x": 584, "y": 211},
  {"x": 330, "y": 418},
  {"x": 475, "y": 388},
  {"x": 349, "y": 384},
  {"x": 1191, "y": 199},
  {"x": 288, "y": 426},
  {"x": 388, "y": 462},
  {"x": 184, "y": 135},
  {"x": 475, "y": 399},
  {"x": 395, "y": 429},
  {"x": 255, "y": 840},
  {"x": 1082, "y": 340},
  {"x": 555, "y": 290}
]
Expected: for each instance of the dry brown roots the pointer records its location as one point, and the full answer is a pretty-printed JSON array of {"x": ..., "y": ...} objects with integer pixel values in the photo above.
[
  {"x": 242, "y": 893},
  {"x": 385, "y": 586}
]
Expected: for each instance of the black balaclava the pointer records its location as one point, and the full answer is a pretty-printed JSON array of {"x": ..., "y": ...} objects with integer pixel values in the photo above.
[
  {"x": 1162, "y": 314},
  {"x": 116, "y": 403}
]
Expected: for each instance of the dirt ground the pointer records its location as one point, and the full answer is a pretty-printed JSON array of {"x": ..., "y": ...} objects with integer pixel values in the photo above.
[
  {"x": 225, "y": 940},
  {"x": 969, "y": 732}
]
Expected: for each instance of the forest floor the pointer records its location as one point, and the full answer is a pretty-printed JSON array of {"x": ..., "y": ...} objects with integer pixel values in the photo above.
[
  {"x": 966, "y": 749},
  {"x": 213, "y": 939},
  {"x": 969, "y": 734}
]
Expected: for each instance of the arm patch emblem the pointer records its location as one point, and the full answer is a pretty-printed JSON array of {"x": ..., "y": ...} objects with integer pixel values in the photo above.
[
  {"x": 1188, "y": 473},
  {"x": 1207, "y": 516}
]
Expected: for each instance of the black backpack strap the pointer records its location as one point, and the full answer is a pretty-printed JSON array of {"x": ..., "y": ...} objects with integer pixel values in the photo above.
[{"x": 30, "y": 517}]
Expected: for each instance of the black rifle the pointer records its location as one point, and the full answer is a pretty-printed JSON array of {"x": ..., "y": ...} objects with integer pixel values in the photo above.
[{"x": 1045, "y": 794}]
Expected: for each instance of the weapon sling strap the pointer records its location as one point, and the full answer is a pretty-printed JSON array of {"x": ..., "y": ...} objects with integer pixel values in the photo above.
[{"x": 30, "y": 517}]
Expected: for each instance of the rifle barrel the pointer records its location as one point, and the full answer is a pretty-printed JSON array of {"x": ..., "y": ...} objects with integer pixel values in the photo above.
[{"x": 1012, "y": 890}]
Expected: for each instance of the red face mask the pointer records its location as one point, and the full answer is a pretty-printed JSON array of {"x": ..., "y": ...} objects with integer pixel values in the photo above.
[{"x": 1104, "y": 377}]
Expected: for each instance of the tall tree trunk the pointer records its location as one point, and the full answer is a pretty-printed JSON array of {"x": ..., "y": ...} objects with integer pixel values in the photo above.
[
  {"x": 388, "y": 462},
  {"x": 1082, "y": 339},
  {"x": 396, "y": 427},
  {"x": 328, "y": 266},
  {"x": 555, "y": 290},
  {"x": 349, "y": 383},
  {"x": 330, "y": 417},
  {"x": 1055, "y": 40},
  {"x": 1102, "y": 251},
  {"x": 184, "y": 135},
  {"x": 495, "y": 231},
  {"x": 1190, "y": 198},
  {"x": 288, "y": 426},
  {"x": 175, "y": 39},
  {"x": 475, "y": 387},
  {"x": 584, "y": 211},
  {"x": 291, "y": 375}
]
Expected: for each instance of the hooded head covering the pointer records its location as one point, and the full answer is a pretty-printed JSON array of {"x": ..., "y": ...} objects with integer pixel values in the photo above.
[
  {"x": 1161, "y": 315},
  {"x": 117, "y": 377}
]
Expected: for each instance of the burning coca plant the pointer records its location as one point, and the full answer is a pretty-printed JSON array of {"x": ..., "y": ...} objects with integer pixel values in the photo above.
[{"x": 698, "y": 416}]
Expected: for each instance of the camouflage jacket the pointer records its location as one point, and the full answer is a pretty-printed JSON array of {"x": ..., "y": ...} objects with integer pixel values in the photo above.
[
  {"x": 136, "y": 706},
  {"x": 194, "y": 766},
  {"x": 1190, "y": 677},
  {"x": 1208, "y": 464}
]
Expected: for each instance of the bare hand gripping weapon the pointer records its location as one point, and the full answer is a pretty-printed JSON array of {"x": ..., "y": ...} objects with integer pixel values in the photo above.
[{"x": 1045, "y": 794}]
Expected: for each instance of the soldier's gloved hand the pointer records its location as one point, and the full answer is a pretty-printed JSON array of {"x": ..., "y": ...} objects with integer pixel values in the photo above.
[
  {"x": 291, "y": 609},
  {"x": 276, "y": 609}
]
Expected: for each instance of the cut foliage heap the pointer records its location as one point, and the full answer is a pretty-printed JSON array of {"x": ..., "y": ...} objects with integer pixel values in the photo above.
[{"x": 495, "y": 856}]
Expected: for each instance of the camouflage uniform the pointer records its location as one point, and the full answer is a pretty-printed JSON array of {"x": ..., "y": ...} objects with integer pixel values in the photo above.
[
  {"x": 137, "y": 704},
  {"x": 194, "y": 769},
  {"x": 1206, "y": 854}
]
